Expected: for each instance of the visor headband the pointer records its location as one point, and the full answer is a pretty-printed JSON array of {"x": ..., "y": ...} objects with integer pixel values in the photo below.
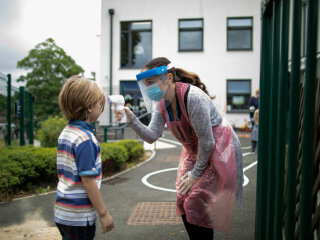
[
  {"x": 169, "y": 66},
  {"x": 151, "y": 72}
]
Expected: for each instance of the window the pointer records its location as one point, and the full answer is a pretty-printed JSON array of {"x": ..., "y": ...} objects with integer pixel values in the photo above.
[
  {"x": 191, "y": 35},
  {"x": 238, "y": 95},
  {"x": 239, "y": 34},
  {"x": 136, "y": 44}
]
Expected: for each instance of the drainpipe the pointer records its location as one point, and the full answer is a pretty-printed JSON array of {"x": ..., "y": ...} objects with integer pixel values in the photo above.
[{"x": 111, "y": 12}]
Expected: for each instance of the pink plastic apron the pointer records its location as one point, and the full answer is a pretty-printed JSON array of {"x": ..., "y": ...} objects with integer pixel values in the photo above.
[{"x": 210, "y": 203}]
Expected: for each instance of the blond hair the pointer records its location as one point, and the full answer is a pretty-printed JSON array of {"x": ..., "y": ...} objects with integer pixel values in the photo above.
[
  {"x": 256, "y": 117},
  {"x": 77, "y": 95}
]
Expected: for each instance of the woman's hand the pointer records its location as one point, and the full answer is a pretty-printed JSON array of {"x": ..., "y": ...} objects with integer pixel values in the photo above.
[
  {"x": 187, "y": 182},
  {"x": 119, "y": 114}
]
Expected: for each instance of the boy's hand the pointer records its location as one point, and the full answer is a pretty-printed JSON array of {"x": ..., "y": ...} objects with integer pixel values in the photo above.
[{"x": 106, "y": 222}]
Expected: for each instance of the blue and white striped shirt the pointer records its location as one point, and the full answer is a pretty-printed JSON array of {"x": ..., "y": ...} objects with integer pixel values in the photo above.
[{"x": 78, "y": 155}]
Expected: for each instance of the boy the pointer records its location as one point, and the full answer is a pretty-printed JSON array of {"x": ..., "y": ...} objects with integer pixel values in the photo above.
[{"x": 78, "y": 200}]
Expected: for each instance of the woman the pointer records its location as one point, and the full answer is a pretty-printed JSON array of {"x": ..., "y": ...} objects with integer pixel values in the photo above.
[
  {"x": 210, "y": 173},
  {"x": 255, "y": 132}
]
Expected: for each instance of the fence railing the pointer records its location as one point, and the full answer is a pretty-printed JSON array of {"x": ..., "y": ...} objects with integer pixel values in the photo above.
[
  {"x": 16, "y": 112},
  {"x": 288, "y": 182}
]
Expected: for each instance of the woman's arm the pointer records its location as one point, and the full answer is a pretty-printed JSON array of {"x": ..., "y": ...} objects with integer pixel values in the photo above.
[
  {"x": 148, "y": 133},
  {"x": 200, "y": 111}
]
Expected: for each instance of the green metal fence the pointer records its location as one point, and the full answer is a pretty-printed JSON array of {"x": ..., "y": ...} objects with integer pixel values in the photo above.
[
  {"x": 288, "y": 195},
  {"x": 8, "y": 122},
  {"x": 16, "y": 113}
]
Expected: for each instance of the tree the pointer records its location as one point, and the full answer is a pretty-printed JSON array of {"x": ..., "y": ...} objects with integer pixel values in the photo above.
[
  {"x": 50, "y": 130},
  {"x": 49, "y": 67},
  {"x": 93, "y": 76}
]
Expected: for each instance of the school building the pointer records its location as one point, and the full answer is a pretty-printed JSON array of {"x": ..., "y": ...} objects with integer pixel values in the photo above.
[{"x": 218, "y": 40}]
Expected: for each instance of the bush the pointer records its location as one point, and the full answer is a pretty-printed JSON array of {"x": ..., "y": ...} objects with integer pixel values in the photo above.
[
  {"x": 22, "y": 168},
  {"x": 28, "y": 168},
  {"x": 135, "y": 149},
  {"x": 113, "y": 155},
  {"x": 50, "y": 130}
]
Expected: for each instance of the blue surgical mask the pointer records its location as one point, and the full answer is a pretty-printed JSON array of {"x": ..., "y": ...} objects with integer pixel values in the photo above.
[{"x": 155, "y": 93}]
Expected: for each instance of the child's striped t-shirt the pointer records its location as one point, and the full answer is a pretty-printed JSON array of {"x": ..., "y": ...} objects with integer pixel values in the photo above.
[{"x": 78, "y": 155}]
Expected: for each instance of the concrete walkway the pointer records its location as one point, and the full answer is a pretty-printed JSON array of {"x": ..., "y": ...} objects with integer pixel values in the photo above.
[{"x": 140, "y": 211}]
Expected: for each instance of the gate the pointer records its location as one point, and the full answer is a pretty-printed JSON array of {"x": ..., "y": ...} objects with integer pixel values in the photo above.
[{"x": 288, "y": 195}]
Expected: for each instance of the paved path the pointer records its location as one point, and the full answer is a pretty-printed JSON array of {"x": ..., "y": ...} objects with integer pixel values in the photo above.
[{"x": 140, "y": 212}]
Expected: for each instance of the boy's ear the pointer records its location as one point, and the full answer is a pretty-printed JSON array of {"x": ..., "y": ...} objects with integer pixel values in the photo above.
[{"x": 89, "y": 109}]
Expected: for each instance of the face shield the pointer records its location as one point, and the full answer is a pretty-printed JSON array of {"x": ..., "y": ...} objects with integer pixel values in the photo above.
[{"x": 153, "y": 84}]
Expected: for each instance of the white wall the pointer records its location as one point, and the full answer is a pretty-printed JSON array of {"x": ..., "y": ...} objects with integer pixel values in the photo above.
[{"x": 214, "y": 65}]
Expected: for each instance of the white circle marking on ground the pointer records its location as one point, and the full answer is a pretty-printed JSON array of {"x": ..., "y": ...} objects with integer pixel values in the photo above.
[
  {"x": 246, "y": 179},
  {"x": 145, "y": 180}
]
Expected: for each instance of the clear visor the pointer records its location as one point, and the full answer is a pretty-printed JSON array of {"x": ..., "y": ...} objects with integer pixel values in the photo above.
[
  {"x": 154, "y": 79},
  {"x": 153, "y": 84}
]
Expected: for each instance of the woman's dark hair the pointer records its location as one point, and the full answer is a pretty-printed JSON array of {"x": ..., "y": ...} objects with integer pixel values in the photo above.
[{"x": 179, "y": 74}]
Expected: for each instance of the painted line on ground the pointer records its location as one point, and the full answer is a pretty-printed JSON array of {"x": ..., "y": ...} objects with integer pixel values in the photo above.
[
  {"x": 170, "y": 141},
  {"x": 245, "y": 178},
  {"x": 249, "y": 147},
  {"x": 248, "y": 153},
  {"x": 250, "y": 166},
  {"x": 144, "y": 180}
]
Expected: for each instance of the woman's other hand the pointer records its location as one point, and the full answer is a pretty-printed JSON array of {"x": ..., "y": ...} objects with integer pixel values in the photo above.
[{"x": 187, "y": 182}]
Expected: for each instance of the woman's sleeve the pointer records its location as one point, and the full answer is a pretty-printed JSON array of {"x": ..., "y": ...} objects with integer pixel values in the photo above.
[
  {"x": 199, "y": 109},
  {"x": 148, "y": 133}
]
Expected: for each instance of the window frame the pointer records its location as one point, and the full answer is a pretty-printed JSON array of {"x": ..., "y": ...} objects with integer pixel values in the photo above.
[
  {"x": 130, "y": 41},
  {"x": 240, "y": 28},
  {"x": 244, "y": 110},
  {"x": 188, "y": 30}
]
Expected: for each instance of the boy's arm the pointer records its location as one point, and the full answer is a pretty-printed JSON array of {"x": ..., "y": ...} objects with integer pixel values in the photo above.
[{"x": 90, "y": 185}]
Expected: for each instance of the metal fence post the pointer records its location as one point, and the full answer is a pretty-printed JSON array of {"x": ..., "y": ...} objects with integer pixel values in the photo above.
[
  {"x": 30, "y": 119},
  {"x": 105, "y": 135},
  {"x": 273, "y": 117},
  {"x": 22, "y": 141},
  {"x": 308, "y": 123},
  {"x": 293, "y": 131},
  {"x": 260, "y": 224},
  {"x": 281, "y": 120},
  {"x": 9, "y": 109}
]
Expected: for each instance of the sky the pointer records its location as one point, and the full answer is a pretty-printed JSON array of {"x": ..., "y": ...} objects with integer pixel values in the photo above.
[{"x": 73, "y": 24}]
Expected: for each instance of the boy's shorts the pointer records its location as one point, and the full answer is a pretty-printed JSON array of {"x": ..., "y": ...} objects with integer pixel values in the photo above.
[{"x": 77, "y": 233}]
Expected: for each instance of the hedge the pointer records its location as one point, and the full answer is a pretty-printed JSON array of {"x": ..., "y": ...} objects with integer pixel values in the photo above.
[
  {"x": 28, "y": 168},
  {"x": 135, "y": 150},
  {"x": 21, "y": 168}
]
